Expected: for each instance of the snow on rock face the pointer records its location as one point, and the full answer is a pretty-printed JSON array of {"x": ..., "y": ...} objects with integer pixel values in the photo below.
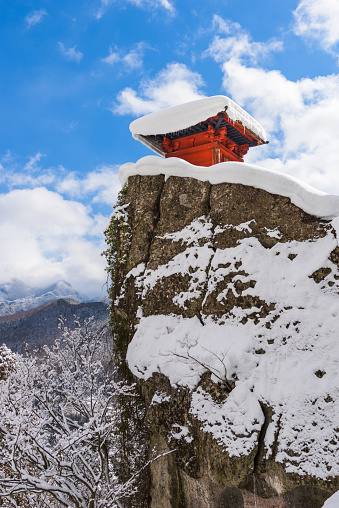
[
  {"x": 333, "y": 501},
  {"x": 312, "y": 201},
  {"x": 286, "y": 358},
  {"x": 162, "y": 343},
  {"x": 233, "y": 423},
  {"x": 186, "y": 115}
]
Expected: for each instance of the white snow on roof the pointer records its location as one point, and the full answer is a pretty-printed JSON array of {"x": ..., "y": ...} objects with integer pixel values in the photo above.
[
  {"x": 312, "y": 201},
  {"x": 186, "y": 115}
]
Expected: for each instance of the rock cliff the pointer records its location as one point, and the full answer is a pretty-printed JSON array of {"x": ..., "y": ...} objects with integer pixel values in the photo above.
[{"x": 225, "y": 301}]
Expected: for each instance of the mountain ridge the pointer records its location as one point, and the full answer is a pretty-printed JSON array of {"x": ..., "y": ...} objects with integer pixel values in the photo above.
[
  {"x": 39, "y": 326},
  {"x": 16, "y": 296}
]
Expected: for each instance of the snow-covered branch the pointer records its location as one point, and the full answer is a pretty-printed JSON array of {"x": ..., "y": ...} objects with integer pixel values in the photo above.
[{"x": 57, "y": 421}]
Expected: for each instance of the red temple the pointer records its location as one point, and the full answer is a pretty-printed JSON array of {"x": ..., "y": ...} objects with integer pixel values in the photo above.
[{"x": 216, "y": 139}]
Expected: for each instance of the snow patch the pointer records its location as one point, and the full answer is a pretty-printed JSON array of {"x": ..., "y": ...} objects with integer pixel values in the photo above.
[
  {"x": 274, "y": 233},
  {"x": 244, "y": 226},
  {"x": 194, "y": 259},
  {"x": 181, "y": 433},
  {"x": 120, "y": 213},
  {"x": 182, "y": 349},
  {"x": 159, "y": 398},
  {"x": 191, "y": 234},
  {"x": 233, "y": 423},
  {"x": 333, "y": 501}
]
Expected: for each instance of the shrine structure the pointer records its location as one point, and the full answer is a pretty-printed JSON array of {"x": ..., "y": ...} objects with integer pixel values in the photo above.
[{"x": 202, "y": 132}]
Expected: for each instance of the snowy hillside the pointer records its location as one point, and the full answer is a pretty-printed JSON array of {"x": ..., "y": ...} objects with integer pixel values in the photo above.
[{"x": 16, "y": 296}]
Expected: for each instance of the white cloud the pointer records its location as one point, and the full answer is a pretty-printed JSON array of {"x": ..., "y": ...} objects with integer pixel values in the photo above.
[
  {"x": 35, "y": 17},
  {"x": 318, "y": 21},
  {"x": 16, "y": 173},
  {"x": 239, "y": 44},
  {"x": 112, "y": 58},
  {"x": 153, "y": 4},
  {"x": 72, "y": 54},
  {"x": 131, "y": 61},
  {"x": 98, "y": 186},
  {"x": 225, "y": 26},
  {"x": 16, "y": 179},
  {"x": 71, "y": 126},
  {"x": 300, "y": 117},
  {"x": 144, "y": 4},
  {"x": 173, "y": 85},
  {"x": 31, "y": 164},
  {"x": 45, "y": 238},
  {"x": 102, "y": 185}
]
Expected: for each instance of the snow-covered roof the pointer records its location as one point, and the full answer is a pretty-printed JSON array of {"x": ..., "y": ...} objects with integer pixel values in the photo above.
[
  {"x": 312, "y": 201},
  {"x": 186, "y": 115}
]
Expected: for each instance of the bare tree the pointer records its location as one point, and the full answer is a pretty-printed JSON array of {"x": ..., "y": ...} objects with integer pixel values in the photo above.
[{"x": 57, "y": 423}]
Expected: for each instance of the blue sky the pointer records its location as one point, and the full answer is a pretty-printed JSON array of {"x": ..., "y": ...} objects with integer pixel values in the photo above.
[{"x": 76, "y": 73}]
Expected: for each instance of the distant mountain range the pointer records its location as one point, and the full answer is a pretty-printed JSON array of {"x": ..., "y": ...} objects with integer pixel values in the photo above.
[
  {"x": 32, "y": 315},
  {"x": 16, "y": 296},
  {"x": 39, "y": 326}
]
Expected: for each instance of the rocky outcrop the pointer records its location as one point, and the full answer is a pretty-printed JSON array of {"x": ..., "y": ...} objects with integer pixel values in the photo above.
[{"x": 225, "y": 301}]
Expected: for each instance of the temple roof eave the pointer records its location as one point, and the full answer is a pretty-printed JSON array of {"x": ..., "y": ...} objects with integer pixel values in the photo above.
[
  {"x": 183, "y": 116},
  {"x": 153, "y": 145}
]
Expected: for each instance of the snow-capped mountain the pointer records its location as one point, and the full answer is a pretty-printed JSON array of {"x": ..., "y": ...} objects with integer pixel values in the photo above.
[{"x": 16, "y": 296}]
